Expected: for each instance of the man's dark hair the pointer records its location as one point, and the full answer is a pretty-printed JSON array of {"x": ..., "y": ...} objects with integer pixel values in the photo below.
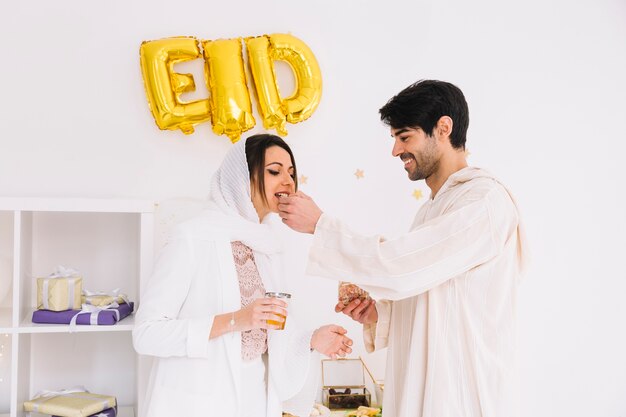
[
  {"x": 256, "y": 145},
  {"x": 422, "y": 104}
]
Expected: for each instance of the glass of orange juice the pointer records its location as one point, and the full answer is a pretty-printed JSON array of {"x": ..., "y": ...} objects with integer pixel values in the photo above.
[{"x": 285, "y": 297}]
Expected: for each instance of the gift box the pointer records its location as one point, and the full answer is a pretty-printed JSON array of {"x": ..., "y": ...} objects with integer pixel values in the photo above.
[
  {"x": 60, "y": 291},
  {"x": 70, "y": 403},
  {"x": 343, "y": 384},
  {"x": 109, "y": 412},
  {"x": 89, "y": 315},
  {"x": 100, "y": 299}
]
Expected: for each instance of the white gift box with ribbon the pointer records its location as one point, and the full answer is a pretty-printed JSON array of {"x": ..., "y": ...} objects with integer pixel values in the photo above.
[{"x": 60, "y": 291}]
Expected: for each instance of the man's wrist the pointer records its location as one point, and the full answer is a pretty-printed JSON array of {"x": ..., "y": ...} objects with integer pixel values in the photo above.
[{"x": 312, "y": 230}]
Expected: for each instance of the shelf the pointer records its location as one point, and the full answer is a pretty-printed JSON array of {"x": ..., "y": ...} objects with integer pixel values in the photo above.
[
  {"x": 85, "y": 205},
  {"x": 111, "y": 243},
  {"x": 27, "y": 326}
]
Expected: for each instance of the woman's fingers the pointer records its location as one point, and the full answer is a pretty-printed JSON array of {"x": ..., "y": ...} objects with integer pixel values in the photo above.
[
  {"x": 274, "y": 317},
  {"x": 273, "y": 310},
  {"x": 343, "y": 351},
  {"x": 271, "y": 301},
  {"x": 265, "y": 325},
  {"x": 264, "y": 317},
  {"x": 344, "y": 346},
  {"x": 278, "y": 307},
  {"x": 340, "y": 347},
  {"x": 270, "y": 321},
  {"x": 337, "y": 329}
]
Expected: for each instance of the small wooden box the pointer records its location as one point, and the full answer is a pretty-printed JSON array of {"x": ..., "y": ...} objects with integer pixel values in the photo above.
[{"x": 343, "y": 383}]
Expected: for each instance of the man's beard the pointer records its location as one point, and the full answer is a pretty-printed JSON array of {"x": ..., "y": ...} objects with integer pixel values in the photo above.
[
  {"x": 424, "y": 167},
  {"x": 426, "y": 162}
]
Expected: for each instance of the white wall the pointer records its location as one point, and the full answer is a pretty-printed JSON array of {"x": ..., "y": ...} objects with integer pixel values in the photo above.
[{"x": 544, "y": 81}]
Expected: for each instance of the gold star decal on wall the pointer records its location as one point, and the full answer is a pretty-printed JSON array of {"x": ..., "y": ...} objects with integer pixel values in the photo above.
[
  {"x": 303, "y": 179},
  {"x": 417, "y": 194},
  {"x": 359, "y": 174}
]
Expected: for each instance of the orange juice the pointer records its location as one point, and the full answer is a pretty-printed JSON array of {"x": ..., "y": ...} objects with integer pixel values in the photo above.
[
  {"x": 285, "y": 297},
  {"x": 276, "y": 323}
]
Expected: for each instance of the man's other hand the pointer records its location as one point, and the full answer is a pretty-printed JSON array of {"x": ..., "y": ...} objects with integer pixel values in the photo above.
[{"x": 364, "y": 312}]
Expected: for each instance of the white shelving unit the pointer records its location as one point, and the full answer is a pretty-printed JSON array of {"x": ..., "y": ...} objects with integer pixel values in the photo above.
[{"x": 111, "y": 242}]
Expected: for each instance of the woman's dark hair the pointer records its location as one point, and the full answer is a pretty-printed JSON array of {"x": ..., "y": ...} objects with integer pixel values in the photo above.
[
  {"x": 423, "y": 103},
  {"x": 256, "y": 145}
]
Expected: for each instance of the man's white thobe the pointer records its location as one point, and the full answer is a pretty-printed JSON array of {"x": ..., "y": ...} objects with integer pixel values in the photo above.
[{"x": 449, "y": 289}]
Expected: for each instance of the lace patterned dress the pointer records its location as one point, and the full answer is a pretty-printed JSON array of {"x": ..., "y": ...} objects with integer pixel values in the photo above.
[{"x": 253, "y": 342}]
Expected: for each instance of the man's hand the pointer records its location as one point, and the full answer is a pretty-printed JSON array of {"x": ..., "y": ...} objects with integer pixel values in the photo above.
[
  {"x": 299, "y": 212},
  {"x": 331, "y": 341},
  {"x": 364, "y": 312}
]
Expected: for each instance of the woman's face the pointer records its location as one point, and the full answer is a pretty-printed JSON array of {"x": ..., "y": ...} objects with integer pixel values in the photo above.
[{"x": 278, "y": 177}]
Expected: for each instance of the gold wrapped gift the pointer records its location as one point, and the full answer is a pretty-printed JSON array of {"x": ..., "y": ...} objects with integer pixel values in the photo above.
[
  {"x": 69, "y": 403},
  {"x": 59, "y": 293},
  {"x": 102, "y": 300}
]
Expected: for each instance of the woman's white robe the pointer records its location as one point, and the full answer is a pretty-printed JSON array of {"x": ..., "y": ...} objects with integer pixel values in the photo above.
[{"x": 194, "y": 280}]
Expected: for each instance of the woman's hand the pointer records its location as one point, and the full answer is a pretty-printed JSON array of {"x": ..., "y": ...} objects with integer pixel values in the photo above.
[
  {"x": 256, "y": 314},
  {"x": 331, "y": 341}
]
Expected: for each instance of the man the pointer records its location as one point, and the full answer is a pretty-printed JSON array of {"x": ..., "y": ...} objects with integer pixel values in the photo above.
[{"x": 450, "y": 284}]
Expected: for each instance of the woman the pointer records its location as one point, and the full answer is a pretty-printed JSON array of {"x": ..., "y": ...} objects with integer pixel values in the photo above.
[{"x": 204, "y": 314}]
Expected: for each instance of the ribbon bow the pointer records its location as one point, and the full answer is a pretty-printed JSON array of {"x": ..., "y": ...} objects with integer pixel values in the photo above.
[
  {"x": 94, "y": 312},
  {"x": 115, "y": 294},
  {"x": 64, "y": 272},
  {"x": 73, "y": 390}
]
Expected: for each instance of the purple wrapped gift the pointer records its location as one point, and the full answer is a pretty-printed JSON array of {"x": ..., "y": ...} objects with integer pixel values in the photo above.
[
  {"x": 101, "y": 317},
  {"x": 109, "y": 412}
]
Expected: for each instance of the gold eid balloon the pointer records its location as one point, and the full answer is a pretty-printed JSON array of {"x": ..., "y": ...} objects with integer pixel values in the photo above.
[
  {"x": 231, "y": 109},
  {"x": 164, "y": 86},
  {"x": 275, "y": 111},
  {"x": 262, "y": 69}
]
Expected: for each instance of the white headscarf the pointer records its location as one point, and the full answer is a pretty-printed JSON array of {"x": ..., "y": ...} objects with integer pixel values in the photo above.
[
  {"x": 230, "y": 203},
  {"x": 230, "y": 185}
]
